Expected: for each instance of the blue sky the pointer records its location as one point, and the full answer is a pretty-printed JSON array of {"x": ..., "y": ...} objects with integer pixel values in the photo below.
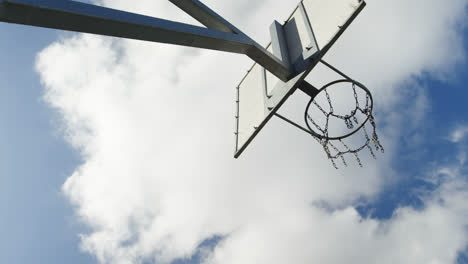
[
  {"x": 51, "y": 164},
  {"x": 37, "y": 222}
]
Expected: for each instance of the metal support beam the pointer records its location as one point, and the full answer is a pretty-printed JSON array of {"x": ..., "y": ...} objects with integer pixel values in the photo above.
[
  {"x": 87, "y": 18},
  {"x": 308, "y": 88},
  {"x": 205, "y": 15},
  {"x": 336, "y": 70},
  {"x": 210, "y": 19},
  {"x": 81, "y": 17}
]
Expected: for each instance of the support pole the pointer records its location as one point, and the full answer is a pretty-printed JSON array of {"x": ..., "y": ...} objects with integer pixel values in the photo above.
[{"x": 87, "y": 18}]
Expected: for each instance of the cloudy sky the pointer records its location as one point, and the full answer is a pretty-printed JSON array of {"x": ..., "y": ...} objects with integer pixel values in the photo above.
[{"x": 119, "y": 151}]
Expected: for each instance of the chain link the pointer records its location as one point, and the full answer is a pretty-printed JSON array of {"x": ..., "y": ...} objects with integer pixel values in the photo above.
[
  {"x": 368, "y": 140},
  {"x": 355, "y": 95},
  {"x": 320, "y": 108},
  {"x": 316, "y": 125},
  {"x": 329, "y": 101}
]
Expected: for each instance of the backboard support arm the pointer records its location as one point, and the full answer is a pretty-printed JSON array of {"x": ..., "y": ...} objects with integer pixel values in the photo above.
[
  {"x": 87, "y": 18},
  {"x": 210, "y": 19},
  {"x": 205, "y": 15}
]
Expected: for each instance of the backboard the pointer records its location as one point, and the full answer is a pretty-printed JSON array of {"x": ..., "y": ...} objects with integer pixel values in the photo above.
[{"x": 301, "y": 42}]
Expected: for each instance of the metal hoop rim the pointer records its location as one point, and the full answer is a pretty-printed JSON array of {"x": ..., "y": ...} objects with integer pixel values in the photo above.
[{"x": 360, "y": 85}]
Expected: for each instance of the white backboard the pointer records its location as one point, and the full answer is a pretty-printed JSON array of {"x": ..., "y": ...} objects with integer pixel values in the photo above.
[{"x": 302, "y": 41}]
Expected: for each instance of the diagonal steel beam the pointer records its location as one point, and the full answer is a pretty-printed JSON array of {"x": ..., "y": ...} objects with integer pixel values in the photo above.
[
  {"x": 81, "y": 17},
  {"x": 205, "y": 15},
  {"x": 210, "y": 19},
  {"x": 87, "y": 18}
]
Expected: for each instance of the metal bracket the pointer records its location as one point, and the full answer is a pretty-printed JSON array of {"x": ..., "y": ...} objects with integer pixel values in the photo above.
[
  {"x": 308, "y": 89},
  {"x": 278, "y": 43}
]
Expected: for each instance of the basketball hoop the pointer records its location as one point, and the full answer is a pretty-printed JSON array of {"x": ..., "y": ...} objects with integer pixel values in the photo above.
[
  {"x": 335, "y": 146},
  {"x": 336, "y": 125}
]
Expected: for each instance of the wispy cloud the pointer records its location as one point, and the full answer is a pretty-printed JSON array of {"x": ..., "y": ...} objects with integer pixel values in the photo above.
[
  {"x": 154, "y": 124},
  {"x": 459, "y": 134}
]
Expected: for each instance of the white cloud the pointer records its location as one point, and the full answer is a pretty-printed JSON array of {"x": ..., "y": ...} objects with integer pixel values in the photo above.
[
  {"x": 459, "y": 134},
  {"x": 308, "y": 235},
  {"x": 154, "y": 124}
]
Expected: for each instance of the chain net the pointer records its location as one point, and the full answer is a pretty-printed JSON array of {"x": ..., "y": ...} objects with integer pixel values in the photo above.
[{"x": 335, "y": 147}]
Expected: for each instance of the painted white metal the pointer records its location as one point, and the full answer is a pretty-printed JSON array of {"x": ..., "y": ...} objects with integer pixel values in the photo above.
[
  {"x": 252, "y": 96},
  {"x": 326, "y": 17},
  {"x": 310, "y": 31}
]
